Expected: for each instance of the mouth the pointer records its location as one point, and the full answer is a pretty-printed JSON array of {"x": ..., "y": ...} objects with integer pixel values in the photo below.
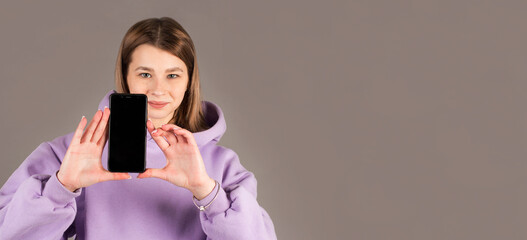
[{"x": 156, "y": 104}]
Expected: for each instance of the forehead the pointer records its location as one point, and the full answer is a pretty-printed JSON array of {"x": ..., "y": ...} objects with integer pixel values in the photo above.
[{"x": 155, "y": 58}]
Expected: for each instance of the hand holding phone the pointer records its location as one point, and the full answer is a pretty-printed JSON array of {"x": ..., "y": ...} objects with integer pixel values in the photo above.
[
  {"x": 185, "y": 167},
  {"x": 81, "y": 165}
]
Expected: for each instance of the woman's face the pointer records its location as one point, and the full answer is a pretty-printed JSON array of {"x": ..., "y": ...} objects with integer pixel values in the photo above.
[{"x": 162, "y": 77}]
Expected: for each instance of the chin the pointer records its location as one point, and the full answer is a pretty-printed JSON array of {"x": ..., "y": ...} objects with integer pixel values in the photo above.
[{"x": 156, "y": 114}]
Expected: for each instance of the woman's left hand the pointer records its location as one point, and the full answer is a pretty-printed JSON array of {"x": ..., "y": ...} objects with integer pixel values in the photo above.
[{"x": 185, "y": 167}]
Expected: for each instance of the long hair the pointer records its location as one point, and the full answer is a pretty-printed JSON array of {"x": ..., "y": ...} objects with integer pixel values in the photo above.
[{"x": 166, "y": 34}]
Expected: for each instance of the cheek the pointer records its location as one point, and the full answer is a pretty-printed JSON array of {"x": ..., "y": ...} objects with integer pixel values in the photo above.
[
  {"x": 136, "y": 87},
  {"x": 178, "y": 91},
  {"x": 178, "y": 96}
]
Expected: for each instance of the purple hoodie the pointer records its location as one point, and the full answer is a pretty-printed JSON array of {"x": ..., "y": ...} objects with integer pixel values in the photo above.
[{"x": 35, "y": 205}]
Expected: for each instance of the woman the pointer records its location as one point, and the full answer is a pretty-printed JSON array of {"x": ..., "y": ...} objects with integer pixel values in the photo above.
[{"x": 192, "y": 188}]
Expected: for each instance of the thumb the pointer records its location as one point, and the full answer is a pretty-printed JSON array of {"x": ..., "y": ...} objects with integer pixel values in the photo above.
[
  {"x": 109, "y": 176},
  {"x": 152, "y": 172}
]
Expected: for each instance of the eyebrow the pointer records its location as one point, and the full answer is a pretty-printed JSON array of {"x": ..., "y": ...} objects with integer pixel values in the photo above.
[{"x": 174, "y": 69}]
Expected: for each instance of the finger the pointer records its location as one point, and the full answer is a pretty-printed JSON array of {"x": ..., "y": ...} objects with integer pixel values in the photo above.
[
  {"x": 170, "y": 128},
  {"x": 171, "y": 138},
  {"x": 91, "y": 127},
  {"x": 110, "y": 176},
  {"x": 187, "y": 135},
  {"x": 150, "y": 126},
  {"x": 158, "y": 138},
  {"x": 102, "y": 125},
  {"x": 153, "y": 172},
  {"x": 78, "y": 132},
  {"x": 103, "y": 139},
  {"x": 180, "y": 138}
]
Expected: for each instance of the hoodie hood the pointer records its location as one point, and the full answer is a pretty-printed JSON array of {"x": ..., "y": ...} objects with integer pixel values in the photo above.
[{"x": 213, "y": 117}]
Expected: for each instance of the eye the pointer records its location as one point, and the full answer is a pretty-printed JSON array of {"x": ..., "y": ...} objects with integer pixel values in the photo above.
[
  {"x": 173, "y": 75},
  {"x": 142, "y": 75}
]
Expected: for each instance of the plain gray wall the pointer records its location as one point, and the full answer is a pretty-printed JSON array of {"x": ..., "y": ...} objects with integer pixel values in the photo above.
[{"x": 360, "y": 119}]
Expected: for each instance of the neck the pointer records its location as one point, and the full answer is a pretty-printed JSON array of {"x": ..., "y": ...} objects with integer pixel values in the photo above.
[{"x": 160, "y": 122}]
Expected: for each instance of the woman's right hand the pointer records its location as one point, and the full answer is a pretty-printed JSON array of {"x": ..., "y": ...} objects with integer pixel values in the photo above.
[{"x": 81, "y": 166}]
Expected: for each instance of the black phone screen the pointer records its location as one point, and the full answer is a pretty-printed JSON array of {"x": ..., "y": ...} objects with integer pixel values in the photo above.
[{"x": 127, "y": 133}]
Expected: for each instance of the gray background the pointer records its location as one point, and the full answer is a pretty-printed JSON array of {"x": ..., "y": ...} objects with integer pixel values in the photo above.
[{"x": 360, "y": 119}]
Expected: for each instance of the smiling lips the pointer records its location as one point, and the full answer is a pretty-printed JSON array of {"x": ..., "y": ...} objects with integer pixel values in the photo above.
[{"x": 156, "y": 104}]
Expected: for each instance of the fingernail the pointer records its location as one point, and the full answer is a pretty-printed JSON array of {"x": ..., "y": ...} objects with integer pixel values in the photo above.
[
  {"x": 82, "y": 117},
  {"x": 130, "y": 177},
  {"x": 105, "y": 106},
  {"x": 154, "y": 131}
]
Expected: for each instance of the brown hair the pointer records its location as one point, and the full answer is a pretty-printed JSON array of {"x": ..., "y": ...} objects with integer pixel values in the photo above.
[{"x": 166, "y": 34}]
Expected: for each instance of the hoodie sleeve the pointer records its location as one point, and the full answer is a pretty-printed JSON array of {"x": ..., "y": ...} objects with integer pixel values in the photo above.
[
  {"x": 33, "y": 203},
  {"x": 235, "y": 213}
]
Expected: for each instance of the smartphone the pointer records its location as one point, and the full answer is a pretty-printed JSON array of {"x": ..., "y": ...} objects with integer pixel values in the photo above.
[{"x": 127, "y": 132}]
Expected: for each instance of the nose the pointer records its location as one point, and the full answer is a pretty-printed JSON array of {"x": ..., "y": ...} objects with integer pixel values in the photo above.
[{"x": 158, "y": 88}]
